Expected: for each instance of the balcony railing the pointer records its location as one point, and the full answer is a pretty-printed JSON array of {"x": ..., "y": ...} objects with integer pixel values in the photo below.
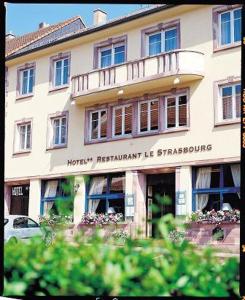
[{"x": 148, "y": 68}]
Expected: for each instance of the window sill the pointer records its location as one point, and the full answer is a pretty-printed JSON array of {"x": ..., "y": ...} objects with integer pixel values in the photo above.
[
  {"x": 21, "y": 152},
  {"x": 20, "y": 97},
  {"x": 60, "y": 87},
  {"x": 57, "y": 147},
  {"x": 223, "y": 123},
  {"x": 179, "y": 129},
  {"x": 230, "y": 46}
]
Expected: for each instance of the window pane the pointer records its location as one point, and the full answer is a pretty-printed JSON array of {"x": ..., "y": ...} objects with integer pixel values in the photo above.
[
  {"x": 143, "y": 117},
  {"x": 63, "y": 134},
  {"x": 28, "y": 140},
  {"x": 237, "y": 25},
  {"x": 154, "y": 115},
  {"x": 155, "y": 44},
  {"x": 117, "y": 184},
  {"x": 128, "y": 120},
  {"x": 20, "y": 223},
  {"x": 105, "y": 58},
  {"x": 58, "y": 66},
  {"x": 227, "y": 102},
  {"x": 170, "y": 39},
  {"x": 94, "y": 124},
  {"x": 98, "y": 185},
  {"x": 24, "y": 82},
  {"x": 207, "y": 202},
  {"x": 233, "y": 199},
  {"x": 65, "y": 75},
  {"x": 103, "y": 124},
  {"x": 118, "y": 121},
  {"x": 118, "y": 205},
  {"x": 182, "y": 111},
  {"x": 31, "y": 81},
  {"x": 119, "y": 55},
  {"x": 225, "y": 28},
  {"x": 171, "y": 112},
  {"x": 238, "y": 100}
]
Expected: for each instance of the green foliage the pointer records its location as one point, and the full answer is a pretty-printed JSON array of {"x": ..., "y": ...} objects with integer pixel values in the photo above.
[{"x": 147, "y": 267}]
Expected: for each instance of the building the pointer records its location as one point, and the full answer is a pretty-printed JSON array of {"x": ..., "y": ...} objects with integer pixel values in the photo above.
[{"x": 147, "y": 104}]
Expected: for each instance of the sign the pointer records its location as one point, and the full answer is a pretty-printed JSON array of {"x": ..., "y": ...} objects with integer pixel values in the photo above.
[
  {"x": 140, "y": 155},
  {"x": 181, "y": 197},
  {"x": 17, "y": 191},
  {"x": 129, "y": 205}
]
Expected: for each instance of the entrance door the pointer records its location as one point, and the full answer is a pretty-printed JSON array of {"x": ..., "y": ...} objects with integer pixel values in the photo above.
[
  {"x": 158, "y": 186},
  {"x": 19, "y": 200}
]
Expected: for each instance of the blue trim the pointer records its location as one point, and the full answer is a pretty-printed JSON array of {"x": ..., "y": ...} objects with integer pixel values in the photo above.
[
  {"x": 106, "y": 196},
  {"x": 217, "y": 190},
  {"x": 193, "y": 185}
]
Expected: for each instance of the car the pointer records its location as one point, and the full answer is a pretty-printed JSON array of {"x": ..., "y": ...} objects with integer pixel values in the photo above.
[{"x": 20, "y": 227}]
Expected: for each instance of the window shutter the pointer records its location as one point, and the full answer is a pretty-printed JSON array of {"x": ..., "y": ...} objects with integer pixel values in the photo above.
[
  {"x": 143, "y": 116},
  {"x": 118, "y": 121},
  {"x": 154, "y": 115},
  {"x": 128, "y": 120}
]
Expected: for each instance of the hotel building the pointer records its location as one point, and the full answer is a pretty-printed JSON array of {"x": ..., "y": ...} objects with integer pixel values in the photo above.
[{"x": 146, "y": 104}]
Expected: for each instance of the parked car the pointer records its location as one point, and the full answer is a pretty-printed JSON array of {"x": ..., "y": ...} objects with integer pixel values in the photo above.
[{"x": 20, "y": 227}]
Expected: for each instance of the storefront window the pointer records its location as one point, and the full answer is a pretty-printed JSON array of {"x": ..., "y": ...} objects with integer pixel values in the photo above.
[
  {"x": 106, "y": 194},
  {"x": 216, "y": 185}
]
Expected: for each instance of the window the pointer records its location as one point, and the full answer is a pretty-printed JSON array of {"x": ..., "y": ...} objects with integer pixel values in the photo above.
[
  {"x": 162, "y": 41},
  {"x": 56, "y": 197},
  {"x": 24, "y": 222},
  {"x": 176, "y": 111},
  {"x": 122, "y": 120},
  {"x": 60, "y": 131},
  {"x": 230, "y": 27},
  {"x": 148, "y": 116},
  {"x": 215, "y": 185},
  {"x": 98, "y": 124},
  {"x": 23, "y": 137},
  {"x": 60, "y": 71},
  {"x": 112, "y": 55},
  {"x": 27, "y": 81},
  {"x": 106, "y": 191},
  {"x": 230, "y": 101}
]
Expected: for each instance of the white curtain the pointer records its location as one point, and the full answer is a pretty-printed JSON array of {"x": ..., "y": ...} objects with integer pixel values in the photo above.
[
  {"x": 97, "y": 185},
  {"x": 93, "y": 204},
  {"x": 235, "y": 170},
  {"x": 51, "y": 188},
  {"x": 202, "y": 182},
  {"x": 47, "y": 206}
]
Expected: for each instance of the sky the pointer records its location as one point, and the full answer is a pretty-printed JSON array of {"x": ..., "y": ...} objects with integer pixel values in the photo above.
[{"x": 24, "y": 18}]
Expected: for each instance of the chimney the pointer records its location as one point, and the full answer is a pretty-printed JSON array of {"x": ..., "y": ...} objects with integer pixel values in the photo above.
[
  {"x": 100, "y": 17},
  {"x": 42, "y": 25},
  {"x": 9, "y": 36}
]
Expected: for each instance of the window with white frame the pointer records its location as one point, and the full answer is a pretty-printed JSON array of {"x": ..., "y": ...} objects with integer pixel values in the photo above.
[
  {"x": 230, "y": 27},
  {"x": 162, "y": 41},
  {"x": 148, "y": 116},
  {"x": 23, "y": 137},
  {"x": 61, "y": 72},
  {"x": 59, "y": 130},
  {"x": 229, "y": 102},
  {"x": 98, "y": 124},
  {"x": 122, "y": 120},
  {"x": 112, "y": 55},
  {"x": 176, "y": 111},
  {"x": 26, "y": 81}
]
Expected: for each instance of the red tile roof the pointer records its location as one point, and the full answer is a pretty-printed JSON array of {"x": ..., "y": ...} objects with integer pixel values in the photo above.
[{"x": 20, "y": 42}]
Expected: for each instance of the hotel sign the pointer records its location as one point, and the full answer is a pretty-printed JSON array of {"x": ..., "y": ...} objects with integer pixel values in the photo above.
[{"x": 138, "y": 155}]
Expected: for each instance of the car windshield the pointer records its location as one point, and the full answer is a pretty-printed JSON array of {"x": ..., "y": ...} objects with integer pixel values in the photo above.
[{"x": 6, "y": 221}]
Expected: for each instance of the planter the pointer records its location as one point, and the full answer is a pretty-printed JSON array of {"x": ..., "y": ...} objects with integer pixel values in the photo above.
[
  {"x": 224, "y": 235},
  {"x": 105, "y": 230}
]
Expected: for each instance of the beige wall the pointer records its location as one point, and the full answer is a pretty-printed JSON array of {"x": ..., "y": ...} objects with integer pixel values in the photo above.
[{"x": 40, "y": 163}]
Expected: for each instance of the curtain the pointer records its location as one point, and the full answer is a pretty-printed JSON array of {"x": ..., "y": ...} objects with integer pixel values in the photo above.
[
  {"x": 93, "y": 204},
  {"x": 51, "y": 188},
  {"x": 47, "y": 206},
  {"x": 203, "y": 181},
  {"x": 235, "y": 171},
  {"x": 97, "y": 185}
]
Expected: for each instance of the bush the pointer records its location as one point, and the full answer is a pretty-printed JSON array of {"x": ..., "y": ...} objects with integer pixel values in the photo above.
[
  {"x": 215, "y": 217},
  {"x": 153, "y": 268}
]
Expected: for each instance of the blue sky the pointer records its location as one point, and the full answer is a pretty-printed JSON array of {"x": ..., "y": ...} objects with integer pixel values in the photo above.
[{"x": 24, "y": 18}]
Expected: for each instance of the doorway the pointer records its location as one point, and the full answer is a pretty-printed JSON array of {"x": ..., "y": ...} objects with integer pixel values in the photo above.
[
  {"x": 19, "y": 200},
  {"x": 159, "y": 187}
]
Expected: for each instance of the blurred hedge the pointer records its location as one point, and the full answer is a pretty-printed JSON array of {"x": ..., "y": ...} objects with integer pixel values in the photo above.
[{"x": 152, "y": 268}]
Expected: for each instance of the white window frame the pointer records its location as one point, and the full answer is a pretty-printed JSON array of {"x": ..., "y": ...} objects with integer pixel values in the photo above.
[
  {"x": 62, "y": 71},
  {"x": 60, "y": 130},
  {"x": 112, "y": 48},
  {"x": 220, "y": 104},
  {"x": 123, "y": 107},
  {"x": 162, "y": 39},
  {"x": 176, "y": 111},
  {"x": 148, "y": 116},
  {"x": 231, "y": 11},
  {"x": 25, "y": 136},
  {"x": 99, "y": 111},
  {"x": 28, "y": 81}
]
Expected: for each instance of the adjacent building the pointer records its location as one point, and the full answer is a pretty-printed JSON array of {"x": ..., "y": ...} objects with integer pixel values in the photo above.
[{"x": 144, "y": 105}]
